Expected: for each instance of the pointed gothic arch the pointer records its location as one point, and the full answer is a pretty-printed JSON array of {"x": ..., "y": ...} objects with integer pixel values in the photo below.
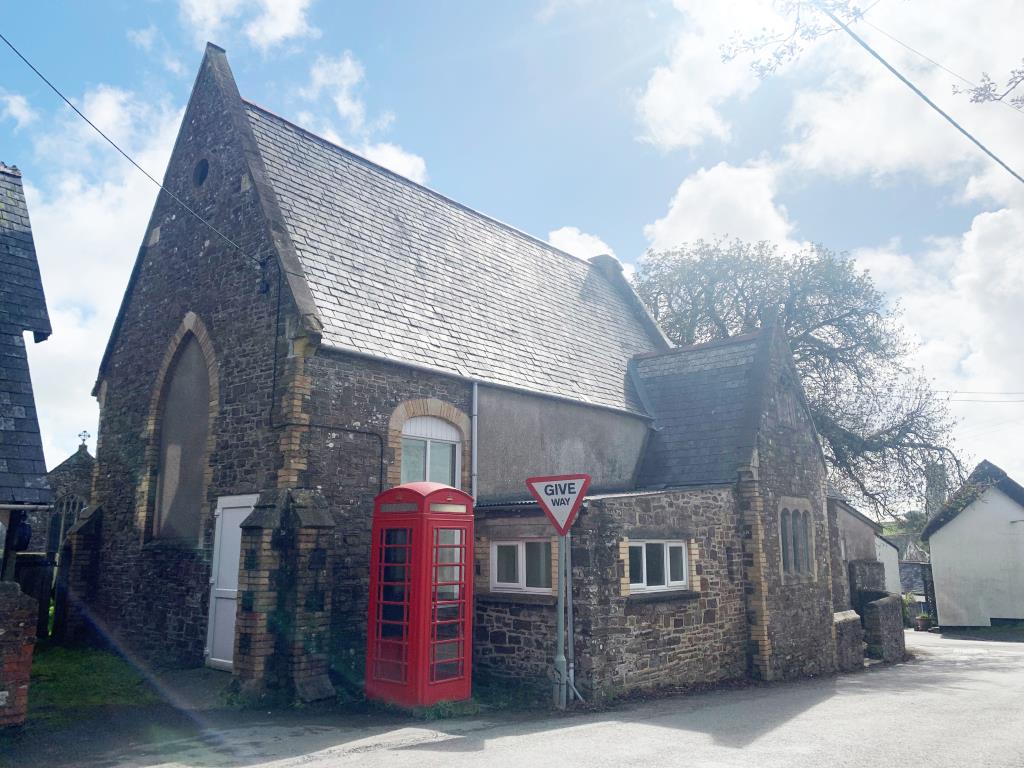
[{"x": 184, "y": 405}]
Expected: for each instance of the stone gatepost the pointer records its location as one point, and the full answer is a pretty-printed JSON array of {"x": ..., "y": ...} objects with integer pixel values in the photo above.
[
  {"x": 76, "y": 582},
  {"x": 284, "y": 597},
  {"x": 17, "y": 637}
]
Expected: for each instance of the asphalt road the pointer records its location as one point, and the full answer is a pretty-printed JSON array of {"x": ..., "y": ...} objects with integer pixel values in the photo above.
[{"x": 959, "y": 703}]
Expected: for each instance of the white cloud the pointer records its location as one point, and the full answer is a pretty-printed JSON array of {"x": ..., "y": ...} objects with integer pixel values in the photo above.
[
  {"x": 963, "y": 300},
  {"x": 150, "y": 41},
  {"x": 854, "y": 117},
  {"x": 394, "y": 158},
  {"x": 682, "y": 101},
  {"x": 88, "y": 219},
  {"x": 722, "y": 201},
  {"x": 144, "y": 38},
  {"x": 280, "y": 20},
  {"x": 581, "y": 244},
  {"x": 270, "y": 22},
  {"x": 206, "y": 18},
  {"x": 339, "y": 78},
  {"x": 14, "y": 106}
]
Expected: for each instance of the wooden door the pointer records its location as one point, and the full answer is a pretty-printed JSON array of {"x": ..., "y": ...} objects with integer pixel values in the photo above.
[{"x": 227, "y": 547}]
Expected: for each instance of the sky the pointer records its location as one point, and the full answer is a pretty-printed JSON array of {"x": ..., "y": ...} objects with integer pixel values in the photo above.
[{"x": 602, "y": 126}]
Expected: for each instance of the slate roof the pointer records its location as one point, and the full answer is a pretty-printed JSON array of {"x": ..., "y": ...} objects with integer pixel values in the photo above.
[
  {"x": 986, "y": 475},
  {"x": 701, "y": 398},
  {"x": 22, "y": 308},
  {"x": 400, "y": 272}
]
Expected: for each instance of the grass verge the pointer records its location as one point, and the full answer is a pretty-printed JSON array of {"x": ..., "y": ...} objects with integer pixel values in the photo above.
[{"x": 70, "y": 680}]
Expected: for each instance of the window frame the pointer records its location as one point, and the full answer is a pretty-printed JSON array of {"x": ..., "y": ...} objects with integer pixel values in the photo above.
[
  {"x": 520, "y": 586},
  {"x": 418, "y": 428},
  {"x": 797, "y": 546},
  {"x": 669, "y": 585}
]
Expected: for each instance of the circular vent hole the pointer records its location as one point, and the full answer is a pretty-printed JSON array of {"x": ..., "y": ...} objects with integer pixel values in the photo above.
[{"x": 200, "y": 173}]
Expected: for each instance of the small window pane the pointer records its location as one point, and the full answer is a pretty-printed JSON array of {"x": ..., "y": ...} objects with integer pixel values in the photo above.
[
  {"x": 676, "y": 569},
  {"x": 507, "y": 556},
  {"x": 786, "y": 557},
  {"x": 538, "y": 564},
  {"x": 655, "y": 554},
  {"x": 442, "y": 463},
  {"x": 798, "y": 554},
  {"x": 636, "y": 564},
  {"x": 414, "y": 460},
  {"x": 451, "y": 536}
]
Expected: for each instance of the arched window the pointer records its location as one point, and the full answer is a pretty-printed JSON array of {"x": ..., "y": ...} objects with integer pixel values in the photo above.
[
  {"x": 184, "y": 426},
  {"x": 796, "y": 532},
  {"x": 431, "y": 450}
]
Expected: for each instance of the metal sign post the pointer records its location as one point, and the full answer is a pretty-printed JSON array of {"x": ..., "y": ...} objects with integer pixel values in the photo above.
[
  {"x": 560, "y": 496},
  {"x": 560, "y": 665}
]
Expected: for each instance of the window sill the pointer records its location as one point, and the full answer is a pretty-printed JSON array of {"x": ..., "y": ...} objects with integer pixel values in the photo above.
[
  {"x": 663, "y": 596},
  {"x": 522, "y": 598},
  {"x": 792, "y": 579},
  {"x": 177, "y": 545}
]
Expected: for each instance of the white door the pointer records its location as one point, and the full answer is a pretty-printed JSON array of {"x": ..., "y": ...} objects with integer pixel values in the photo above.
[{"x": 227, "y": 547}]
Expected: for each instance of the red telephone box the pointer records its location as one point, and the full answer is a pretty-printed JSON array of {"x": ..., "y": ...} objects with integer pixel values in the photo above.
[{"x": 421, "y": 585}]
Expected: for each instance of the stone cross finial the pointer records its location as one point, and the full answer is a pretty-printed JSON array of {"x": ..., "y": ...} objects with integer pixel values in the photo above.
[{"x": 83, "y": 436}]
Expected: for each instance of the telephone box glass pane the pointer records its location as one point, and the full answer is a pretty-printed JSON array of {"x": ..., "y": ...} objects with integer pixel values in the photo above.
[
  {"x": 538, "y": 564},
  {"x": 442, "y": 463},
  {"x": 655, "y": 554},
  {"x": 392, "y": 631},
  {"x": 446, "y": 653},
  {"x": 508, "y": 563},
  {"x": 414, "y": 460}
]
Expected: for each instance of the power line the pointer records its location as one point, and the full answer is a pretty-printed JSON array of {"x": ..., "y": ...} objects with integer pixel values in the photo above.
[
  {"x": 919, "y": 93},
  {"x": 933, "y": 62},
  {"x": 127, "y": 157}
]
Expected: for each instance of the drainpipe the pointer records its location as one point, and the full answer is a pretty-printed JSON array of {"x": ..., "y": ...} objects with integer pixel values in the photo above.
[{"x": 472, "y": 446}]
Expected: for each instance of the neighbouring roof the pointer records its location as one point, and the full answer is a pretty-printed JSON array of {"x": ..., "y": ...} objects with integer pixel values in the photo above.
[
  {"x": 701, "y": 398},
  {"x": 910, "y": 547},
  {"x": 986, "y": 475},
  {"x": 855, "y": 513},
  {"x": 22, "y": 308},
  {"x": 400, "y": 272},
  {"x": 912, "y": 577}
]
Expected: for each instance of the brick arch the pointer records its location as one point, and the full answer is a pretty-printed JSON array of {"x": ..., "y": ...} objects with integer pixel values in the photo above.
[
  {"x": 191, "y": 326},
  {"x": 428, "y": 407}
]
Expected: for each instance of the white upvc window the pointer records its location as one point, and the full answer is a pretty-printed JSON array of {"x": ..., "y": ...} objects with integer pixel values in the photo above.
[
  {"x": 431, "y": 451},
  {"x": 657, "y": 565},
  {"x": 521, "y": 566}
]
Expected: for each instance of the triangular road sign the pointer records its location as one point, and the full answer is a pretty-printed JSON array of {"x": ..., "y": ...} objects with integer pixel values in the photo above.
[{"x": 560, "y": 496}]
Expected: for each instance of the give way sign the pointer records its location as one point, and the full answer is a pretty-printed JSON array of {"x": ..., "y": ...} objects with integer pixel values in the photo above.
[{"x": 560, "y": 496}]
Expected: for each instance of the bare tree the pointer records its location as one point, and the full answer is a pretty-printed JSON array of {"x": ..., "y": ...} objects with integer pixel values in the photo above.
[
  {"x": 987, "y": 90},
  {"x": 882, "y": 425}
]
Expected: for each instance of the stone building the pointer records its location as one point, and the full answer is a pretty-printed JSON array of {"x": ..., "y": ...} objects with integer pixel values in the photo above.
[
  {"x": 339, "y": 329},
  {"x": 23, "y": 488}
]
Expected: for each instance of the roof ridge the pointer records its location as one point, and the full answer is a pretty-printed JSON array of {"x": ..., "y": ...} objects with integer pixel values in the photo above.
[
  {"x": 745, "y": 337},
  {"x": 406, "y": 180}
]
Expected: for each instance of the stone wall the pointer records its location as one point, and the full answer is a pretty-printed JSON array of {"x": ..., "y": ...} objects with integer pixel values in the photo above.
[
  {"x": 849, "y": 641},
  {"x": 883, "y": 629},
  {"x": 351, "y": 404},
  {"x": 840, "y": 580},
  {"x": 151, "y": 593},
  {"x": 647, "y": 640},
  {"x": 790, "y": 467},
  {"x": 625, "y": 642},
  {"x": 17, "y": 638}
]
